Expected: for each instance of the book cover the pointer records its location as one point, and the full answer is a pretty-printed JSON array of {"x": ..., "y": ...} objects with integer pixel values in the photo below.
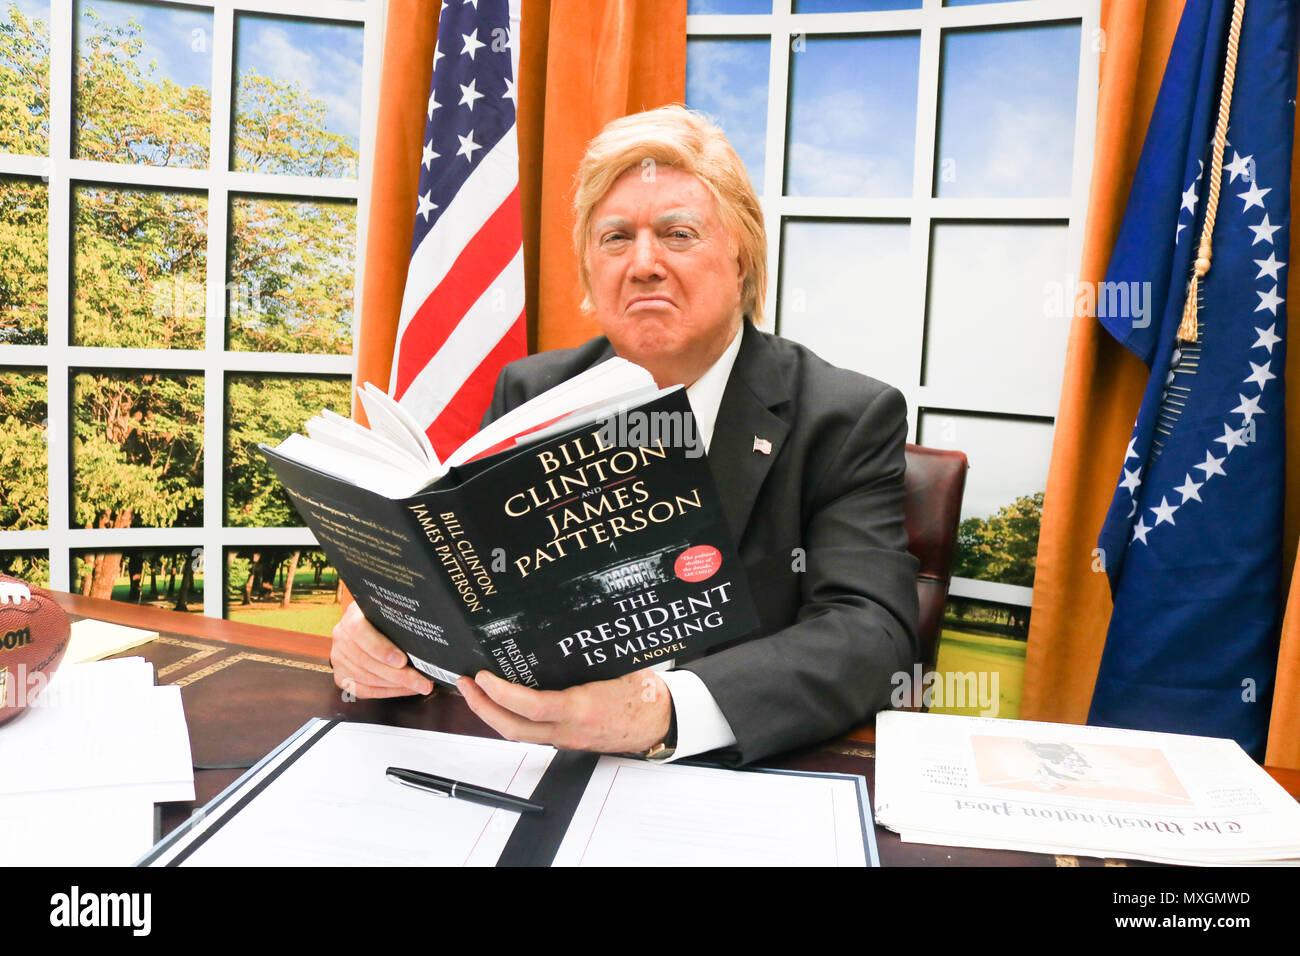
[{"x": 587, "y": 555}]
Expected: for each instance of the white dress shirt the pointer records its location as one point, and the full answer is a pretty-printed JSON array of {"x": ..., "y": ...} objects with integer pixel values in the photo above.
[{"x": 701, "y": 725}]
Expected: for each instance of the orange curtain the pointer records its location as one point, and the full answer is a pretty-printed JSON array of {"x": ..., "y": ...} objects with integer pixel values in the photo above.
[
  {"x": 582, "y": 63},
  {"x": 1100, "y": 395}
]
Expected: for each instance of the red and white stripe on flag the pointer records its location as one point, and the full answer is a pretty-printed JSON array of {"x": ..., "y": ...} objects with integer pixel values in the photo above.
[{"x": 462, "y": 314}]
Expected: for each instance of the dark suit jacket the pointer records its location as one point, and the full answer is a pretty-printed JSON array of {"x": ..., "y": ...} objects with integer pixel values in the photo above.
[{"x": 819, "y": 527}]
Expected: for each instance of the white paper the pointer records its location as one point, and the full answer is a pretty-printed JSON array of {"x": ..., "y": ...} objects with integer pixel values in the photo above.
[
  {"x": 94, "y": 827},
  {"x": 1064, "y": 788},
  {"x": 94, "y": 640},
  {"x": 100, "y": 724},
  {"x": 635, "y": 813},
  {"x": 329, "y": 803}
]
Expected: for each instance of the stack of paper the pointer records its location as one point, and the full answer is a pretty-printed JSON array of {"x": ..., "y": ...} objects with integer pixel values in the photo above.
[
  {"x": 94, "y": 640},
  {"x": 1094, "y": 791},
  {"x": 84, "y": 765}
]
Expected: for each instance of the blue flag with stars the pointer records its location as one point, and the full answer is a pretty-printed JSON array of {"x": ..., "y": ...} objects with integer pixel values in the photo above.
[{"x": 1192, "y": 542}]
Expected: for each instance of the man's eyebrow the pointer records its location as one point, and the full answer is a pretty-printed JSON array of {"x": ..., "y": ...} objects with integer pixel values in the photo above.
[
  {"x": 679, "y": 215},
  {"x": 672, "y": 215},
  {"x": 610, "y": 222}
]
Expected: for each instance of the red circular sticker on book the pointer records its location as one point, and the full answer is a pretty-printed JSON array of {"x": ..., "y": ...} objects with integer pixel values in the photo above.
[{"x": 698, "y": 563}]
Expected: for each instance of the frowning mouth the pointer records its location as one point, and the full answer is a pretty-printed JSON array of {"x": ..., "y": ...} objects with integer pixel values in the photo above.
[{"x": 650, "y": 300}]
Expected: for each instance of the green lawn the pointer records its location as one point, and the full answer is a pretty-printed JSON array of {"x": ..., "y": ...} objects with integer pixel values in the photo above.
[
  {"x": 309, "y": 618},
  {"x": 122, "y": 592},
  {"x": 312, "y": 609},
  {"x": 961, "y": 652}
]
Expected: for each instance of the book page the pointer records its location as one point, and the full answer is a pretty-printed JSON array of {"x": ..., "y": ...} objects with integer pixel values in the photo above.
[{"x": 610, "y": 382}]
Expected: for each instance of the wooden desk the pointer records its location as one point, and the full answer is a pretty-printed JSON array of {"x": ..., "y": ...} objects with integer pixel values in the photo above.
[{"x": 246, "y": 688}]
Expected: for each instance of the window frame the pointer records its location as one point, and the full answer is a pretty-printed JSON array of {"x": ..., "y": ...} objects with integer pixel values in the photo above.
[
  {"x": 60, "y": 360},
  {"x": 923, "y": 209}
]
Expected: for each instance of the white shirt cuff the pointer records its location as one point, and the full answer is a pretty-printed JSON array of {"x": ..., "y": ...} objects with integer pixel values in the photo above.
[{"x": 700, "y": 724}]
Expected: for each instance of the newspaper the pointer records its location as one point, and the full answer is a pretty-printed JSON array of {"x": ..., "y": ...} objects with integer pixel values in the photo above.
[{"x": 1091, "y": 791}]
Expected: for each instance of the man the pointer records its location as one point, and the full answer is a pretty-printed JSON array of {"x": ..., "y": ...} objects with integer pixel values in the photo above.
[{"x": 808, "y": 460}]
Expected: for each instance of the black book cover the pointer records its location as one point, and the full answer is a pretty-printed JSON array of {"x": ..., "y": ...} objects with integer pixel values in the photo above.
[{"x": 581, "y": 557}]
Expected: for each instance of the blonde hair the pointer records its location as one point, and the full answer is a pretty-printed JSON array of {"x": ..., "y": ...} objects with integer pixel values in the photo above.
[{"x": 681, "y": 139}]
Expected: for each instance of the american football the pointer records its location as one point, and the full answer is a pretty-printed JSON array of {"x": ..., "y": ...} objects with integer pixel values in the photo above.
[{"x": 34, "y": 633}]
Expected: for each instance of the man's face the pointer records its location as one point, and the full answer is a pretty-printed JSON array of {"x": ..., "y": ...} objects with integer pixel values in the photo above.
[{"x": 665, "y": 277}]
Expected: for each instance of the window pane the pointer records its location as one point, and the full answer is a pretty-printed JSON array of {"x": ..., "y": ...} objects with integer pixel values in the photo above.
[
  {"x": 25, "y": 77},
  {"x": 261, "y": 590},
  {"x": 291, "y": 274},
  {"x": 852, "y": 116},
  {"x": 1002, "y": 507},
  {"x": 1006, "y": 111},
  {"x": 137, "y": 457},
  {"x": 24, "y": 274},
  {"x": 30, "y": 566},
  {"x": 728, "y": 6},
  {"x": 990, "y": 328},
  {"x": 309, "y": 71},
  {"x": 139, "y": 267},
  {"x": 728, "y": 80},
  {"x": 268, "y": 408},
  {"x": 170, "y": 578},
  {"x": 24, "y": 457},
  {"x": 987, "y": 638},
  {"x": 844, "y": 294},
  {"x": 144, "y": 83},
  {"x": 853, "y": 6}
]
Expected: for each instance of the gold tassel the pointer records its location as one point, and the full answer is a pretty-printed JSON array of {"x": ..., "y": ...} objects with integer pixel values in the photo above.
[{"x": 1188, "y": 330}]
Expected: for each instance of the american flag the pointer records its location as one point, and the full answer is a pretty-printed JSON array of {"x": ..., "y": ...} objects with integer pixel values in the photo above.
[{"x": 462, "y": 313}]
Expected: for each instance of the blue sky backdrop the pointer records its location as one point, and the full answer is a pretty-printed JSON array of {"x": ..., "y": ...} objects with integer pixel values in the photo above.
[
  {"x": 853, "y": 116},
  {"x": 31, "y": 9},
  {"x": 1006, "y": 111},
  {"x": 728, "y": 80},
  {"x": 728, "y": 6},
  {"x": 1006, "y": 123},
  {"x": 325, "y": 58},
  {"x": 178, "y": 39}
]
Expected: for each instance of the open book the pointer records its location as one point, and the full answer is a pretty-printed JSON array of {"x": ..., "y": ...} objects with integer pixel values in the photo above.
[{"x": 577, "y": 538}]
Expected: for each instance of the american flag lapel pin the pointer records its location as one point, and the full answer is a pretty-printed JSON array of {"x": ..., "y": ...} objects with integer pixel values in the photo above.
[{"x": 762, "y": 445}]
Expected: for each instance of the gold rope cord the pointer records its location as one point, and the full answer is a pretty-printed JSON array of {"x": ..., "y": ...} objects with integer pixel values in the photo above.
[{"x": 1187, "y": 330}]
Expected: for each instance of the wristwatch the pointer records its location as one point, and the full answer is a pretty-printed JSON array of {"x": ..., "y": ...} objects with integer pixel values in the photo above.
[{"x": 668, "y": 746}]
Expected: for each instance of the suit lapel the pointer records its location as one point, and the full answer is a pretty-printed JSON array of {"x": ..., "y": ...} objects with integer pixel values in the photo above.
[{"x": 756, "y": 388}]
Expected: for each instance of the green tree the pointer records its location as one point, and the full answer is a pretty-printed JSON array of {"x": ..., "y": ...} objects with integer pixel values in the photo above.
[
  {"x": 137, "y": 456},
  {"x": 127, "y": 114},
  {"x": 24, "y": 128},
  {"x": 267, "y": 409},
  {"x": 140, "y": 265},
  {"x": 24, "y": 274},
  {"x": 280, "y": 128},
  {"x": 30, "y": 566},
  {"x": 140, "y": 257},
  {"x": 1003, "y": 547},
  {"x": 24, "y": 495},
  {"x": 24, "y": 84},
  {"x": 291, "y": 272}
]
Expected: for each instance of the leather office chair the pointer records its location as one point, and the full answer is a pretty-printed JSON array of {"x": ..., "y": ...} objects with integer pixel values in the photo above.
[{"x": 932, "y": 491}]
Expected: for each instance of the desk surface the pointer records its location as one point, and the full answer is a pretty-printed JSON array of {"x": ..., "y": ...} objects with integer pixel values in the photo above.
[{"x": 246, "y": 688}]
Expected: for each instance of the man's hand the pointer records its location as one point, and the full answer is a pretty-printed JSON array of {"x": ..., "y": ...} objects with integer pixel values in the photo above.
[
  {"x": 624, "y": 715},
  {"x": 367, "y": 664}
]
